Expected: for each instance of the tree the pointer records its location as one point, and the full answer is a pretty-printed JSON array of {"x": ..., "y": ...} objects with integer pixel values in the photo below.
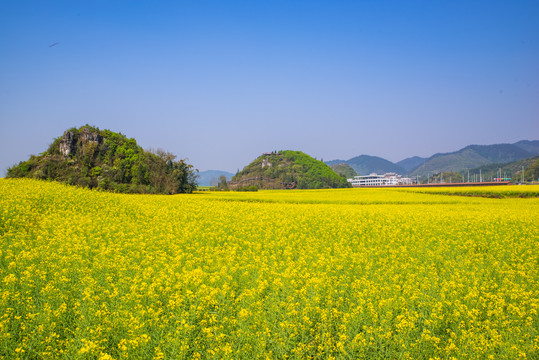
[{"x": 222, "y": 185}]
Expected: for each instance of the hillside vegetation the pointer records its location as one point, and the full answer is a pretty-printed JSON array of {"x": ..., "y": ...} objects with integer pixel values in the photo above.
[
  {"x": 531, "y": 146},
  {"x": 94, "y": 158},
  {"x": 344, "y": 170},
  {"x": 512, "y": 170},
  {"x": 288, "y": 169}
]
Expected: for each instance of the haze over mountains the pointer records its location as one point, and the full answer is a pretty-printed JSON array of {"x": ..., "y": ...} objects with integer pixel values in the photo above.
[
  {"x": 211, "y": 177},
  {"x": 366, "y": 164},
  {"x": 469, "y": 157}
]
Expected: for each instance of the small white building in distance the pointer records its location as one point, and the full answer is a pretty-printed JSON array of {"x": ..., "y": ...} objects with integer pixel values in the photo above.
[{"x": 388, "y": 179}]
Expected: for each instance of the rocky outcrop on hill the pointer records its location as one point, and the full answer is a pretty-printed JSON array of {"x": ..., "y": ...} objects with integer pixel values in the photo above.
[
  {"x": 67, "y": 143},
  {"x": 71, "y": 140}
]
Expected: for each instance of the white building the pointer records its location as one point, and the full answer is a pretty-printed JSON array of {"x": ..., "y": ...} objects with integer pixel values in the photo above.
[{"x": 388, "y": 179}]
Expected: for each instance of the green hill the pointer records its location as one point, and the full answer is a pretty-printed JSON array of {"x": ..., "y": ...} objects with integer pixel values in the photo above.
[
  {"x": 287, "y": 169},
  {"x": 103, "y": 159}
]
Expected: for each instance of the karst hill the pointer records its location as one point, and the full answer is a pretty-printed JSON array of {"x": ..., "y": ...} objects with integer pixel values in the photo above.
[
  {"x": 287, "y": 170},
  {"x": 94, "y": 158}
]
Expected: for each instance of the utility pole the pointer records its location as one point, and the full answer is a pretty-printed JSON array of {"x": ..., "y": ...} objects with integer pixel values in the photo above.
[
  {"x": 480, "y": 177},
  {"x": 468, "y": 175},
  {"x": 523, "y": 174}
]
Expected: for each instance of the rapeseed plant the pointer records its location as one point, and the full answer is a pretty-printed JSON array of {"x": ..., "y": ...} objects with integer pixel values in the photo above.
[{"x": 344, "y": 274}]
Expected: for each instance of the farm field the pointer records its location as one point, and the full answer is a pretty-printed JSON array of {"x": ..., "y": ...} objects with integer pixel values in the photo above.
[{"x": 345, "y": 274}]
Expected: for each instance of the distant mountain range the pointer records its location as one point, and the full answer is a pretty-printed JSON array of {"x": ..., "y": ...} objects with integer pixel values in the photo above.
[
  {"x": 366, "y": 164},
  {"x": 411, "y": 163},
  {"x": 469, "y": 157},
  {"x": 211, "y": 177},
  {"x": 474, "y": 156}
]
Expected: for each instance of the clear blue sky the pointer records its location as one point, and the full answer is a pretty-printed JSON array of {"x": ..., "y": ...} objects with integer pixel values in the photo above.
[{"x": 220, "y": 82}]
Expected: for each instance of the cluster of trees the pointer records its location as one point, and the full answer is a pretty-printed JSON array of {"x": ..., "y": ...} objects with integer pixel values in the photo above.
[
  {"x": 113, "y": 162},
  {"x": 444, "y": 177}
]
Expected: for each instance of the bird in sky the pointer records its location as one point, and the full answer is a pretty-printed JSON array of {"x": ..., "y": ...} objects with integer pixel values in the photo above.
[{"x": 53, "y": 44}]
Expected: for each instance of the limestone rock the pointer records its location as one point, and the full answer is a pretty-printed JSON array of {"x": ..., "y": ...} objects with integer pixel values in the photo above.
[
  {"x": 87, "y": 136},
  {"x": 67, "y": 143},
  {"x": 267, "y": 163},
  {"x": 70, "y": 141}
]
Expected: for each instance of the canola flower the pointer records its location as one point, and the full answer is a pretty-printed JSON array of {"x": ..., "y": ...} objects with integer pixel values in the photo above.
[{"x": 344, "y": 274}]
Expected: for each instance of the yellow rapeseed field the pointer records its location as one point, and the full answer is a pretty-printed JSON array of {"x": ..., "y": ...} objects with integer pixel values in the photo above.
[{"x": 346, "y": 274}]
